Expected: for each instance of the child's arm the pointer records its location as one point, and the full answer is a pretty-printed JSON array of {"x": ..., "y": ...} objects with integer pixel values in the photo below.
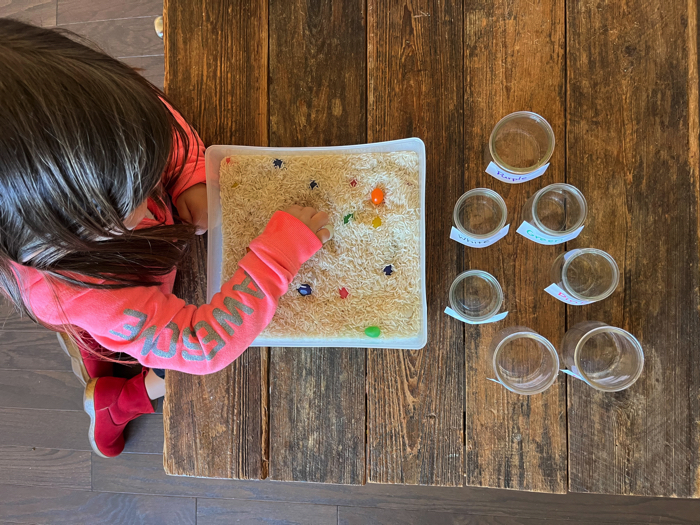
[{"x": 161, "y": 331}]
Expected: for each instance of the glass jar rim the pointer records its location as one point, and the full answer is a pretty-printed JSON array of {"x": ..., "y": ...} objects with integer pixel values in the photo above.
[
  {"x": 542, "y": 122},
  {"x": 558, "y": 186},
  {"x": 489, "y": 193},
  {"x": 544, "y": 342},
  {"x": 486, "y": 277},
  {"x": 624, "y": 333},
  {"x": 606, "y": 256}
]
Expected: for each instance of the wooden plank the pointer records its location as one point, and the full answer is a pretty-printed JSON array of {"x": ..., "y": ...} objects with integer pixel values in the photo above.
[
  {"x": 39, "y": 12},
  {"x": 125, "y": 37},
  {"x": 136, "y": 473},
  {"x": 216, "y": 425},
  {"x": 59, "y": 390},
  {"x": 513, "y": 60},
  {"x": 10, "y": 320},
  {"x": 362, "y": 515},
  {"x": 71, "y": 11},
  {"x": 55, "y": 506},
  {"x": 32, "y": 351},
  {"x": 415, "y": 399},
  {"x": 45, "y": 467},
  {"x": 633, "y": 151},
  {"x": 152, "y": 68},
  {"x": 317, "y": 74},
  {"x": 224, "y": 512},
  {"x": 68, "y": 429}
]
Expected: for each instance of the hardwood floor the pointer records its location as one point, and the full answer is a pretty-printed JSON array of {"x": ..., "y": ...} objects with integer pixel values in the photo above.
[{"x": 49, "y": 475}]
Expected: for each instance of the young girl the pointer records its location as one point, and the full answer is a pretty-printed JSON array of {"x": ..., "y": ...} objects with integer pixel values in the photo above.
[{"x": 90, "y": 156}]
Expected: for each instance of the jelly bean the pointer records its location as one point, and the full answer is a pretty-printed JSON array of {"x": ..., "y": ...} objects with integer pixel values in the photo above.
[
  {"x": 304, "y": 290},
  {"x": 372, "y": 331},
  {"x": 388, "y": 270},
  {"x": 313, "y": 184},
  {"x": 347, "y": 218},
  {"x": 344, "y": 293},
  {"x": 353, "y": 183},
  {"x": 377, "y": 196},
  {"x": 277, "y": 163},
  {"x": 377, "y": 222}
]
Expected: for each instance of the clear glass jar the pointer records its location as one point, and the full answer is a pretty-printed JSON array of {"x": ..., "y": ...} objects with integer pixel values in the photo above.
[
  {"x": 586, "y": 274},
  {"x": 521, "y": 142},
  {"x": 480, "y": 214},
  {"x": 604, "y": 357},
  {"x": 524, "y": 361},
  {"x": 557, "y": 210},
  {"x": 476, "y": 295}
]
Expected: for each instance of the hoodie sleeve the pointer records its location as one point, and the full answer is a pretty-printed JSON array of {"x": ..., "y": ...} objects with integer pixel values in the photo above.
[{"x": 161, "y": 331}]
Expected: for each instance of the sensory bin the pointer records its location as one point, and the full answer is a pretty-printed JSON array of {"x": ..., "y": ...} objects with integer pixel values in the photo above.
[{"x": 365, "y": 287}]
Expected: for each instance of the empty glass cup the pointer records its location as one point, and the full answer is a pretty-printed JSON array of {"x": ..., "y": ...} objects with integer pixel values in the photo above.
[
  {"x": 586, "y": 274},
  {"x": 556, "y": 211},
  {"x": 606, "y": 358},
  {"x": 521, "y": 142},
  {"x": 476, "y": 295},
  {"x": 524, "y": 362},
  {"x": 480, "y": 213}
]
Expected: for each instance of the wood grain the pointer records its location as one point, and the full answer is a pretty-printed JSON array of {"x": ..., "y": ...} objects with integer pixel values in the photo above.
[
  {"x": 126, "y": 37},
  {"x": 152, "y": 68},
  {"x": 216, "y": 74},
  {"x": 633, "y": 151},
  {"x": 317, "y": 98},
  {"x": 415, "y": 399},
  {"x": 224, "y": 512},
  {"x": 39, "y": 12},
  {"x": 71, "y": 11},
  {"x": 32, "y": 351},
  {"x": 55, "y": 506},
  {"x": 138, "y": 473},
  {"x": 514, "y": 60},
  {"x": 33, "y": 466},
  {"x": 58, "y": 390}
]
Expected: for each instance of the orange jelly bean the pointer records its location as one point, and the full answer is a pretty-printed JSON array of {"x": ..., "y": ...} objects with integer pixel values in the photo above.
[{"x": 377, "y": 195}]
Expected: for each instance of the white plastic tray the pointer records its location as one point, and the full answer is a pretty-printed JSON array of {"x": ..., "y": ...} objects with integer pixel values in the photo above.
[{"x": 213, "y": 158}]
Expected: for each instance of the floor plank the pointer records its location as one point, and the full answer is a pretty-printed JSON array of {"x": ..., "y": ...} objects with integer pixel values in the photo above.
[
  {"x": 135, "y": 473},
  {"x": 317, "y": 70},
  {"x": 55, "y": 506},
  {"x": 226, "y": 106},
  {"x": 362, "y": 516},
  {"x": 10, "y": 320},
  {"x": 124, "y": 37},
  {"x": 32, "y": 351},
  {"x": 152, "y": 68},
  {"x": 633, "y": 152},
  {"x": 39, "y": 12},
  {"x": 71, "y": 11},
  {"x": 415, "y": 399},
  {"x": 514, "y": 441},
  {"x": 55, "y": 389},
  {"x": 224, "y": 512},
  {"x": 45, "y": 467},
  {"x": 61, "y": 429}
]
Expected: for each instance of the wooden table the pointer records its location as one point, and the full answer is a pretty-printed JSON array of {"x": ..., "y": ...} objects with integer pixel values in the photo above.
[{"x": 618, "y": 81}]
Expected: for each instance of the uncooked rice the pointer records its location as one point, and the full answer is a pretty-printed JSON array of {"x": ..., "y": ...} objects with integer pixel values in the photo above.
[{"x": 253, "y": 188}]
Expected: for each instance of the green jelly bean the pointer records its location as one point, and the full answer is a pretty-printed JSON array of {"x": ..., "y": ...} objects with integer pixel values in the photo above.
[{"x": 372, "y": 331}]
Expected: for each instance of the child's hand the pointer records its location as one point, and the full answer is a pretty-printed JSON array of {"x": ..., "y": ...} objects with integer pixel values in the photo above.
[
  {"x": 313, "y": 219},
  {"x": 192, "y": 207}
]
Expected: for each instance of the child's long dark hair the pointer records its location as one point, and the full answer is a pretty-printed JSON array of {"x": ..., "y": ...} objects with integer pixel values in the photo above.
[{"x": 84, "y": 140}]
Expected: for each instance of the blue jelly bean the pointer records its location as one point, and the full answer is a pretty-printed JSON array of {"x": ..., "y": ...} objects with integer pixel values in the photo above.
[{"x": 304, "y": 290}]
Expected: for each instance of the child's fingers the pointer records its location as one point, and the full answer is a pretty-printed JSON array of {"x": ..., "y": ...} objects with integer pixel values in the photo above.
[
  {"x": 318, "y": 220},
  {"x": 323, "y": 235}
]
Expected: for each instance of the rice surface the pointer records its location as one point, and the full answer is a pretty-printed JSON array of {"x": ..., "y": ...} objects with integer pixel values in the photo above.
[{"x": 254, "y": 187}]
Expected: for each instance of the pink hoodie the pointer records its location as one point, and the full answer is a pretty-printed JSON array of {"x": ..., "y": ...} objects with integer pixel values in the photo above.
[{"x": 159, "y": 329}]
